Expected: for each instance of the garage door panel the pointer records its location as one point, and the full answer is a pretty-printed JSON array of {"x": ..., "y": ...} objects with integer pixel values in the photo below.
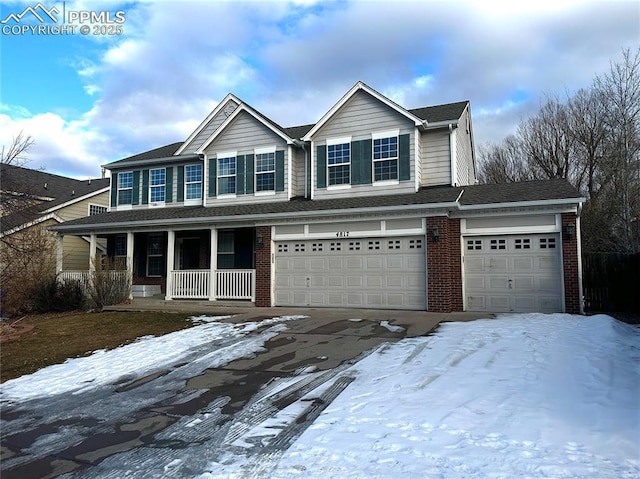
[
  {"x": 525, "y": 263},
  {"x": 513, "y": 273},
  {"x": 375, "y": 273}
]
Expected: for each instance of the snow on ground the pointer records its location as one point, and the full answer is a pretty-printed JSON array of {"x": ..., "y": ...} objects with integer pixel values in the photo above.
[
  {"x": 145, "y": 354},
  {"x": 526, "y": 396}
]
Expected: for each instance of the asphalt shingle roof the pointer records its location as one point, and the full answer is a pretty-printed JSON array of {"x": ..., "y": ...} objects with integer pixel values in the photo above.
[
  {"x": 471, "y": 195},
  {"x": 52, "y": 190},
  {"x": 437, "y": 113}
]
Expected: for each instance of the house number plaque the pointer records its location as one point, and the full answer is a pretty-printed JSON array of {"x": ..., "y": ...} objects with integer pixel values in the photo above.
[{"x": 342, "y": 234}]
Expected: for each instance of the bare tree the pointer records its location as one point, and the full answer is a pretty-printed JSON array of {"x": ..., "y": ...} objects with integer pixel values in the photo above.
[
  {"x": 16, "y": 152},
  {"x": 593, "y": 140}
]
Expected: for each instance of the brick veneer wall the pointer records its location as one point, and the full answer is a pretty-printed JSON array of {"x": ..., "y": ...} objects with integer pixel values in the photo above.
[
  {"x": 444, "y": 266},
  {"x": 570, "y": 265},
  {"x": 263, "y": 267}
]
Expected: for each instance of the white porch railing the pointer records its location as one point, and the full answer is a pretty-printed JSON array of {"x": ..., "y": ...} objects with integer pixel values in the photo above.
[
  {"x": 190, "y": 284},
  {"x": 236, "y": 284},
  {"x": 230, "y": 284},
  {"x": 84, "y": 276}
]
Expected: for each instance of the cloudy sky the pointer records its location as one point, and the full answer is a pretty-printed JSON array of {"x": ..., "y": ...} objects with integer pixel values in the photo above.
[{"x": 88, "y": 99}]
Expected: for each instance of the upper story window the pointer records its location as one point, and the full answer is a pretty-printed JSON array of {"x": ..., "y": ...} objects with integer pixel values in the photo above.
[
  {"x": 385, "y": 158},
  {"x": 125, "y": 188},
  {"x": 266, "y": 171},
  {"x": 338, "y": 163},
  {"x": 97, "y": 209},
  {"x": 193, "y": 182},
  {"x": 227, "y": 175},
  {"x": 157, "y": 185}
]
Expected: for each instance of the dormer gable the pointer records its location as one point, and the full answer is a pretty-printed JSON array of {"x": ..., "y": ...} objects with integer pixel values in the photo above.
[
  {"x": 210, "y": 124},
  {"x": 360, "y": 87}
]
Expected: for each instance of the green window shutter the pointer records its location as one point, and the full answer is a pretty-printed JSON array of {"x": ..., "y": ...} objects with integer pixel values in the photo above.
[
  {"x": 213, "y": 163},
  {"x": 321, "y": 164},
  {"x": 280, "y": 170},
  {"x": 168, "y": 189},
  {"x": 404, "y": 160},
  {"x": 249, "y": 161},
  {"x": 136, "y": 187},
  {"x": 180, "y": 195},
  {"x": 240, "y": 175},
  {"x": 356, "y": 163},
  {"x": 367, "y": 160},
  {"x": 114, "y": 190}
]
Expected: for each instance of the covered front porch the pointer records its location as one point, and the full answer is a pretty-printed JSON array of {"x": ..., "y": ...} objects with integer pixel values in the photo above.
[{"x": 204, "y": 264}]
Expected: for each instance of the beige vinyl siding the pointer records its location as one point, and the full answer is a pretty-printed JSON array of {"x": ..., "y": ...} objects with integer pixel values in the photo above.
[
  {"x": 297, "y": 180},
  {"x": 358, "y": 118},
  {"x": 76, "y": 253},
  {"x": 81, "y": 208},
  {"x": 243, "y": 135},
  {"x": 464, "y": 161},
  {"x": 436, "y": 160},
  {"x": 208, "y": 130}
]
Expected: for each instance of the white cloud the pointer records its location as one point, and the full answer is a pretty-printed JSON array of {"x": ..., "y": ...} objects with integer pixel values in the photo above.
[{"x": 294, "y": 60}]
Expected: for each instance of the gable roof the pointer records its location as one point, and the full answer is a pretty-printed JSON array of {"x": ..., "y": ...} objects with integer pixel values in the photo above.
[
  {"x": 49, "y": 191},
  {"x": 205, "y": 122},
  {"x": 243, "y": 107},
  {"x": 468, "y": 197},
  {"x": 360, "y": 86}
]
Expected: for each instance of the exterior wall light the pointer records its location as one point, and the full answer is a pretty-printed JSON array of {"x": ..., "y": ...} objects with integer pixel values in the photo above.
[
  {"x": 435, "y": 234},
  {"x": 569, "y": 230},
  {"x": 259, "y": 240}
]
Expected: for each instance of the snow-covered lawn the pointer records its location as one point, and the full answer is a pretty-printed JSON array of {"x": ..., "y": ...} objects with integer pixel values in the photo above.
[{"x": 521, "y": 396}]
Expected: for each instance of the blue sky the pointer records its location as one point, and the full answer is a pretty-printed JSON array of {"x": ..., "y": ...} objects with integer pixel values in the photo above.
[{"x": 90, "y": 99}]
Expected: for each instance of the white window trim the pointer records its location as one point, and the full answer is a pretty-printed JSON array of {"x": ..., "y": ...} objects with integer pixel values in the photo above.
[
  {"x": 338, "y": 141},
  {"x": 220, "y": 155},
  {"x": 384, "y": 134},
  {"x": 333, "y": 142},
  {"x": 163, "y": 186},
  {"x": 118, "y": 189},
  {"x": 263, "y": 151},
  {"x": 193, "y": 201},
  {"x": 379, "y": 136},
  {"x": 95, "y": 205}
]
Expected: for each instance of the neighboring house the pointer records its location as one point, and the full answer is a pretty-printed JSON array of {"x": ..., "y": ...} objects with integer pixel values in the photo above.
[
  {"x": 374, "y": 206},
  {"x": 35, "y": 199}
]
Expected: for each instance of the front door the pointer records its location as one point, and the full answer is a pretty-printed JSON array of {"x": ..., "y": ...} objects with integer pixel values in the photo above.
[{"x": 189, "y": 253}]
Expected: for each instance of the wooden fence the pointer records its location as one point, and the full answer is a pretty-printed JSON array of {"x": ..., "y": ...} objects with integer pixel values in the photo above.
[{"x": 611, "y": 282}]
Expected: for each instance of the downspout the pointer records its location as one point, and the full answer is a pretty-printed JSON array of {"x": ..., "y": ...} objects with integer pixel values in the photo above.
[
  {"x": 451, "y": 156},
  {"x": 306, "y": 171}
]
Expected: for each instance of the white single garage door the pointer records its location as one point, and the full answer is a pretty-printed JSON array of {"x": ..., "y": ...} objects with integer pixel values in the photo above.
[
  {"x": 514, "y": 273},
  {"x": 379, "y": 273}
]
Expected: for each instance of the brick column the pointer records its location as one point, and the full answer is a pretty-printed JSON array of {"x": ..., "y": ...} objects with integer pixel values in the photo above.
[
  {"x": 570, "y": 264},
  {"x": 444, "y": 267},
  {"x": 263, "y": 267}
]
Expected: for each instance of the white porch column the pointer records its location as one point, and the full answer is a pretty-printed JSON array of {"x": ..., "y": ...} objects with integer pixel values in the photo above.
[
  {"x": 214, "y": 264},
  {"x": 171, "y": 251},
  {"x": 130, "y": 259},
  {"x": 59, "y": 253},
  {"x": 93, "y": 248}
]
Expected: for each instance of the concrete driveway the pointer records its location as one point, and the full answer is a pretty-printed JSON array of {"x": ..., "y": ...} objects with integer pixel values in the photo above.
[{"x": 136, "y": 427}]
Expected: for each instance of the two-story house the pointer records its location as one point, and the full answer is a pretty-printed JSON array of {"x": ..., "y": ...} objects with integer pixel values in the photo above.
[{"x": 373, "y": 206}]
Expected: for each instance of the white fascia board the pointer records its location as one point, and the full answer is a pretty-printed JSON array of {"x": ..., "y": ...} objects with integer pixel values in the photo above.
[
  {"x": 152, "y": 161},
  {"x": 220, "y": 106},
  {"x": 37, "y": 221},
  {"x": 354, "y": 89},
  {"x": 523, "y": 204},
  {"x": 75, "y": 200},
  {"x": 179, "y": 222},
  {"x": 440, "y": 124},
  {"x": 233, "y": 115}
]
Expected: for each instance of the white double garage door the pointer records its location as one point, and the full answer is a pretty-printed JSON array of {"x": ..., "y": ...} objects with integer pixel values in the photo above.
[
  {"x": 378, "y": 273},
  {"x": 506, "y": 273}
]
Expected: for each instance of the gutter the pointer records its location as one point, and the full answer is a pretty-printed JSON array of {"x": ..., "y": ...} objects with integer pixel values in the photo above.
[
  {"x": 167, "y": 159},
  {"x": 259, "y": 217}
]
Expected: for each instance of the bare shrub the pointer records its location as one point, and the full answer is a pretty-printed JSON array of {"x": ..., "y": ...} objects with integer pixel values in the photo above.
[{"x": 109, "y": 283}]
